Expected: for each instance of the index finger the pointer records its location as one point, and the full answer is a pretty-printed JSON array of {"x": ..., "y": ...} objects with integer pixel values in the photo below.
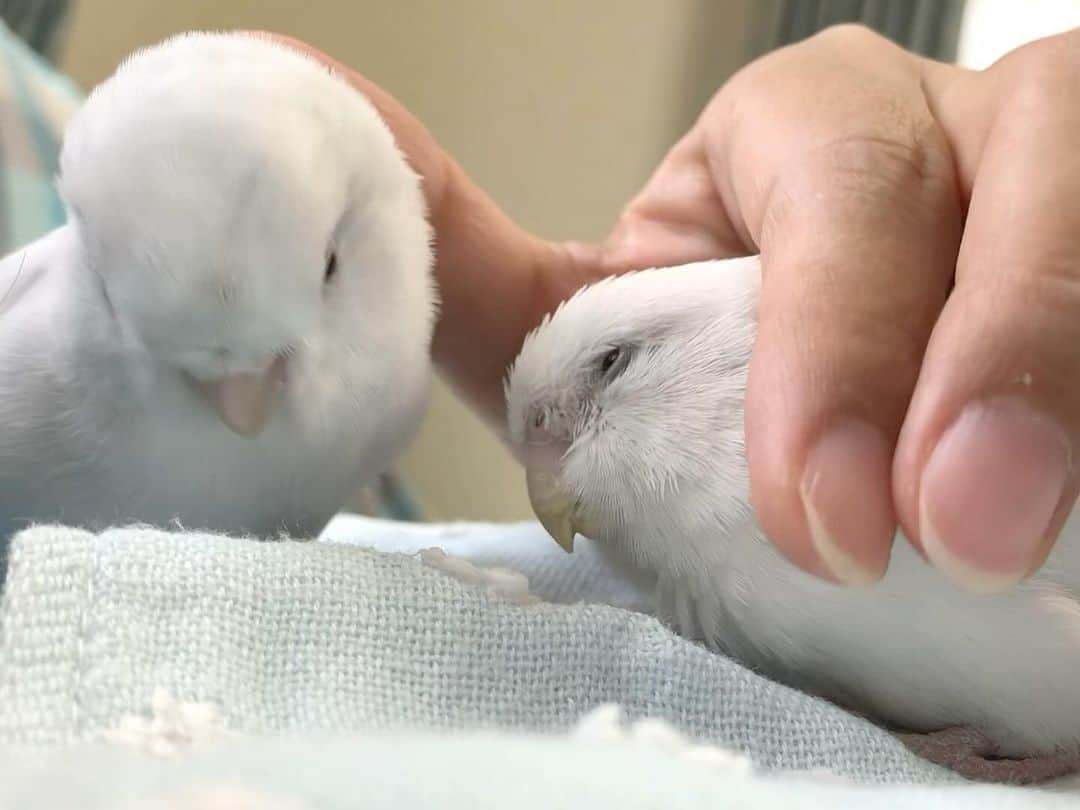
[
  {"x": 842, "y": 177},
  {"x": 986, "y": 471}
]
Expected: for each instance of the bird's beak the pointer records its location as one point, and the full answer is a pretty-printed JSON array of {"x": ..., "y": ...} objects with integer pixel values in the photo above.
[
  {"x": 245, "y": 401},
  {"x": 555, "y": 508}
]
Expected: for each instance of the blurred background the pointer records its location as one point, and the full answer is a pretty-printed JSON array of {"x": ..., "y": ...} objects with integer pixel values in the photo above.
[{"x": 560, "y": 109}]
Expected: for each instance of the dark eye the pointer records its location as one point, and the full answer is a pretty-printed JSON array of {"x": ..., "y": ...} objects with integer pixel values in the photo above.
[
  {"x": 331, "y": 267},
  {"x": 609, "y": 360}
]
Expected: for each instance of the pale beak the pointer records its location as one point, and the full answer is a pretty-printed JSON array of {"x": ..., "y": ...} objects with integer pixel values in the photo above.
[
  {"x": 245, "y": 401},
  {"x": 554, "y": 508}
]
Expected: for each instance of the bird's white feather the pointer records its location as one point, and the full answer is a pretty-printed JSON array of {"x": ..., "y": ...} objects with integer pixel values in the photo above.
[
  {"x": 206, "y": 184},
  {"x": 657, "y": 464}
]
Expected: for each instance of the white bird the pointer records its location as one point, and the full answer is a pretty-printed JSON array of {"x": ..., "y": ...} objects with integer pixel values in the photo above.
[
  {"x": 232, "y": 330},
  {"x": 627, "y": 407}
]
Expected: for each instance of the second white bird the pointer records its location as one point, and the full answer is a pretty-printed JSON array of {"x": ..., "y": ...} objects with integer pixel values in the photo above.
[
  {"x": 627, "y": 406},
  {"x": 232, "y": 331}
]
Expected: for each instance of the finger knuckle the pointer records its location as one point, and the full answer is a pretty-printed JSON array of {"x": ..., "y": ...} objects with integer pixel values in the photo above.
[
  {"x": 879, "y": 178},
  {"x": 886, "y": 163},
  {"x": 847, "y": 49},
  {"x": 844, "y": 37}
]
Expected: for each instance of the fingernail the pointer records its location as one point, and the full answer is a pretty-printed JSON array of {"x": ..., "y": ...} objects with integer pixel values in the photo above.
[
  {"x": 848, "y": 502},
  {"x": 989, "y": 492}
]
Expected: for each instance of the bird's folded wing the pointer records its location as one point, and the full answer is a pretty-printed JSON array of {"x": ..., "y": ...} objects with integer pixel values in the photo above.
[{"x": 137, "y": 641}]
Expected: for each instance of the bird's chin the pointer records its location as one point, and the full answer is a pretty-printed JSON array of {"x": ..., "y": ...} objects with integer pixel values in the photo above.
[{"x": 587, "y": 525}]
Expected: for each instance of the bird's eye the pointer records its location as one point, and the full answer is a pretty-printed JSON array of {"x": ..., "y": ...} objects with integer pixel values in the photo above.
[
  {"x": 609, "y": 360},
  {"x": 613, "y": 363},
  {"x": 331, "y": 267}
]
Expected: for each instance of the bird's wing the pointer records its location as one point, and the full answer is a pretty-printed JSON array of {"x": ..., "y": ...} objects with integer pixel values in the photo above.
[
  {"x": 42, "y": 314},
  {"x": 28, "y": 267},
  {"x": 59, "y": 371}
]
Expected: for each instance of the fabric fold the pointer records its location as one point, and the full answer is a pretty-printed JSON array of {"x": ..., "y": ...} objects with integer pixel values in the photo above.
[{"x": 316, "y": 638}]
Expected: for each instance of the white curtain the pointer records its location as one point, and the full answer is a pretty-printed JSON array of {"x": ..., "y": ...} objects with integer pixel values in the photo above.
[{"x": 992, "y": 28}]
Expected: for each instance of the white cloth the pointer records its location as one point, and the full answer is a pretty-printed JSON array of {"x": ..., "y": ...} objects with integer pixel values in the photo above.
[{"x": 290, "y": 643}]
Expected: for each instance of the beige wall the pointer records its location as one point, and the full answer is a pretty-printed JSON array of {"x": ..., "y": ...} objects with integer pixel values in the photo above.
[{"x": 559, "y": 108}]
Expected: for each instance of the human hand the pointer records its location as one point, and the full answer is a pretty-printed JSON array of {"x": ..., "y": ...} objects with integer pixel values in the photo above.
[
  {"x": 916, "y": 223},
  {"x": 917, "y": 354}
]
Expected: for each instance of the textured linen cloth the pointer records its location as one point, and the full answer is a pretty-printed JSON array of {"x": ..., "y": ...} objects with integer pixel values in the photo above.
[{"x": 314, "y": 651}]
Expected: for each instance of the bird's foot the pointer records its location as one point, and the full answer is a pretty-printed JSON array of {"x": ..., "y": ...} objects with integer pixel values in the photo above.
[{"x": 973, "y": 755}]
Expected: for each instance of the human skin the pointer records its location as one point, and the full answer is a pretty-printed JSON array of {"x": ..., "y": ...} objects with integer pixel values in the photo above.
[{"x": 919, "y": 336}]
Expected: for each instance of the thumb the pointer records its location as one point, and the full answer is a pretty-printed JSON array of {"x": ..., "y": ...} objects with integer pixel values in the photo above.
[{"x": 496, "y": 281}]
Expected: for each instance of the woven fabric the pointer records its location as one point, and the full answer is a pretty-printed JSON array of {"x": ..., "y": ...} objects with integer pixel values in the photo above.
[
  {"x": 470, "y": 772},
  {"x": 314, "y": 651},
  {"x": 321, "y": 637}
]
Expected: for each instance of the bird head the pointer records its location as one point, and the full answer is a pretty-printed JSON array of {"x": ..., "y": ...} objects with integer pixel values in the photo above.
[
  {"x": 629, "y": 397},
  {"x": 249, "y": 218}
]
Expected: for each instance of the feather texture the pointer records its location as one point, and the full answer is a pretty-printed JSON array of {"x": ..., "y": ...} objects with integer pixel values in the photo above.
[
  {"x": 657, "y": 468},
  {"x": 207, "y": 183}
]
